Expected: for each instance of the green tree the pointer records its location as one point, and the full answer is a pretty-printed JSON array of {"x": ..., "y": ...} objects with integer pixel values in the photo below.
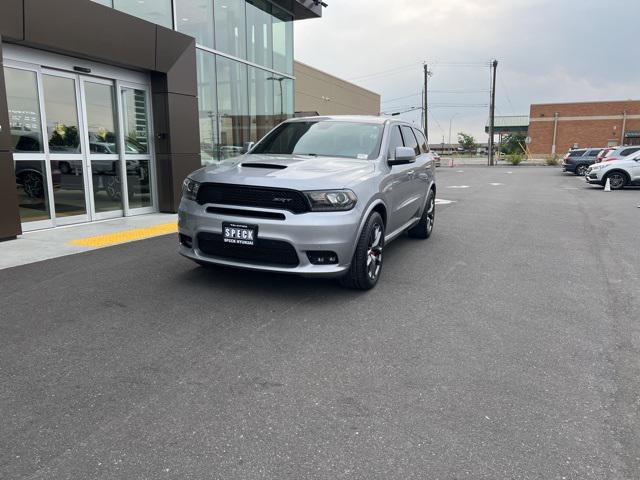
[
  {"x": 466, "y": 141},
  {"x": 514, "y": 144}
]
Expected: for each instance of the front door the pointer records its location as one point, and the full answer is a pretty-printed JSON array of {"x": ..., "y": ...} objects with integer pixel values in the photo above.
[{"x": 87, "y": 153}]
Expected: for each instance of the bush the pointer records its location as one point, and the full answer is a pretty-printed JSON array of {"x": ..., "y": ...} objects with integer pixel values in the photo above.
[
  {"x": 552, "y": 161},
  {"x": 514, "y": 159}
]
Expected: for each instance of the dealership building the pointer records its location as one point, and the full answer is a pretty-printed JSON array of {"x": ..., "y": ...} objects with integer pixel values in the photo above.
[
  {"x": 554, "y": 128},
  {"x": 105, "y": 106}
]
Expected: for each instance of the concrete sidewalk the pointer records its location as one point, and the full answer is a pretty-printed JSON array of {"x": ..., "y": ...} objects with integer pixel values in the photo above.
[{"x": 57, "y": 242}]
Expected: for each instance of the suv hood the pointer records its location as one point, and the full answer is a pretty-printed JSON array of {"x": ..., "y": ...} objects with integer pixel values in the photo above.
[{"x": 298, "y": 172}]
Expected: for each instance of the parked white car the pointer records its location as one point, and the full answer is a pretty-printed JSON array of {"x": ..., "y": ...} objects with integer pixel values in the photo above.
[{"x": 620, "y": 173}]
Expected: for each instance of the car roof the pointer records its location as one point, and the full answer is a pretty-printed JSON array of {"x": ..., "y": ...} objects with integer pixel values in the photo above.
[{"x": 377, "y": 120}]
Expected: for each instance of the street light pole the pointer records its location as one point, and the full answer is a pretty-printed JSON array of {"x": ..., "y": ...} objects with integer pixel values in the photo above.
[{"x": 450, "y": 122}]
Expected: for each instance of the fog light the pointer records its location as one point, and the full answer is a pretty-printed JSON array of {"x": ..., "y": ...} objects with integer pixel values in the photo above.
[
  {"x": 323, "y": 258},
  {"x": 186, "y": 241}
]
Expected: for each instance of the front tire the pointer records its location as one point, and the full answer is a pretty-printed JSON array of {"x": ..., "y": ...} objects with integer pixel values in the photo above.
[
  {"x": 424, "y": 227},
  {"x": 617, "y": 180},
  {"x": 366, "y": 264}
]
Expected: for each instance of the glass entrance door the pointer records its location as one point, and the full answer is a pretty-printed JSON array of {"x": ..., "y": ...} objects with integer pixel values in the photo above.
[
  {"x": 82, "y": 144},
  {"x": 64, "y": 134},
  {"x": 103, "y": 158}
]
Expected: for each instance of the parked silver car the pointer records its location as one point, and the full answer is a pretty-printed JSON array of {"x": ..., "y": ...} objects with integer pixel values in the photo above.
[
  {"x": 620, "y": 173},
  {"x": 318, "y": 196}
]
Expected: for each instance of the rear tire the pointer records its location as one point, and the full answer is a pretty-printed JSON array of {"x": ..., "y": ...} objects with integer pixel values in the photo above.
[
  {"x": 424, "y": 227},
  {"x": 581, "y": 170},
  {"x": 366, "y": 264}
]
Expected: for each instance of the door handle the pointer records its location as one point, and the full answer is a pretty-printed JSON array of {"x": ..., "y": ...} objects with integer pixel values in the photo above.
[{"x": 410, "y": 173}]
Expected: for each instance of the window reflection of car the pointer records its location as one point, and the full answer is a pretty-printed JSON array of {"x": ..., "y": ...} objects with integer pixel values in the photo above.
[{"x": 69, "y": 176}]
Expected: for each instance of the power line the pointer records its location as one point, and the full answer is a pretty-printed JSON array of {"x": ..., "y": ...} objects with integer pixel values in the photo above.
[{"x": 461, "y": 92}]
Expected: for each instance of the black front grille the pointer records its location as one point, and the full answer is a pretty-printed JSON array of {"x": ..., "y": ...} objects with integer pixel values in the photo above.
[
  {"x": 248, "y": 196},
  {"x": 264, "y": 252}
]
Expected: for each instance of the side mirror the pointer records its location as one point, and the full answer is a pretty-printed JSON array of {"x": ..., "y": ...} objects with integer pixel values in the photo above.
[
  {"x": 248, "y": 146},
  {"x": 403, "y": 155}
]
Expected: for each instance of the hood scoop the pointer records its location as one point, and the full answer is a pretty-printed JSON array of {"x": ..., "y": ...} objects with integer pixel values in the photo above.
[{"x": 267, "y": 166}]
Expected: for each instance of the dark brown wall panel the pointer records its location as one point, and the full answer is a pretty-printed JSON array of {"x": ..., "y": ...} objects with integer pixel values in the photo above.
[
  {"x": 174, "y": 169},
  {"x": 176, "y": 55},
  {"x": 87, "y": 29},
  {"x": 184, "y": 128},
  {"x": 11, "y": 21},
  {"x": 5, "y": 130},
  {"x": 9, "y": 217}
]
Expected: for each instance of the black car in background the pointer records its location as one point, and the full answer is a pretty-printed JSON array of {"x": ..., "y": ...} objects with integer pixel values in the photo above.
[{"x": 578, "y": 161}]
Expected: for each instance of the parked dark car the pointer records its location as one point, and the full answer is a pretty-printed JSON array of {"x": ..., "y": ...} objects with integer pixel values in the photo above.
[{"x": 578, "y": 161}]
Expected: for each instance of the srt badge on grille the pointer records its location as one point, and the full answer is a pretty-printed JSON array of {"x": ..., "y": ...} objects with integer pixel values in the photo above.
[{"x": 281, "y": 200}]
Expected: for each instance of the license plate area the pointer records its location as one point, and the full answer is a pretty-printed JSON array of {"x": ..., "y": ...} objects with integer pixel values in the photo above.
[{"x": 239, "y": 234}]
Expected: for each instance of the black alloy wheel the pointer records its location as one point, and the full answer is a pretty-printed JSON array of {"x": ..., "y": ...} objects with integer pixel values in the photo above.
[
  {"x": 366, "y": 265},
  {"x": 581, "y": 170},
  {"x": 617, "y": 180},
  {"x": 424, "y": 228}
]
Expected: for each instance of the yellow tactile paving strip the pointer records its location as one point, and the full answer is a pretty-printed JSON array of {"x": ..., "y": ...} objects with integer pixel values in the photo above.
[{"x": 125, "y": 236}]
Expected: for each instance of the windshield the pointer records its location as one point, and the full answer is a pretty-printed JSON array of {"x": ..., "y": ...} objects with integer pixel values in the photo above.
[{"x": 323, "y": 138}]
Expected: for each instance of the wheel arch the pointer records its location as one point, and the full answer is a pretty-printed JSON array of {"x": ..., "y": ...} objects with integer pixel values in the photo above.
[{"x": 624, "y": 173}]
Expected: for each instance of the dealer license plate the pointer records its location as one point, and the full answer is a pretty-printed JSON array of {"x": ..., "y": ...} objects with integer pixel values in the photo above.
[{"x": 239, "y": 234}]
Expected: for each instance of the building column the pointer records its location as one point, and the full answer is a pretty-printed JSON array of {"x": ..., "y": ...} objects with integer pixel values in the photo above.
[
  {"x": 175, "y": 114},
  {"x": 9, "y": 215}
]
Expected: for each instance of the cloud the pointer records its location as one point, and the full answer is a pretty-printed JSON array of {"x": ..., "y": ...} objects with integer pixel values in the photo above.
[{"x": 549, "y": 50}]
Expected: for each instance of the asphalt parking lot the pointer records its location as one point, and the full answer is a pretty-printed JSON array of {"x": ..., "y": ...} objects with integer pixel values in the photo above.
[{"x": 506, "y": 346}]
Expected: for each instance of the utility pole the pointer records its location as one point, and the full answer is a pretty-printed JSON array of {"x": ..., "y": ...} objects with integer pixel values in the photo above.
[
  {"x": 427, "y": 74},
  {"x": 492, "y": 113}
]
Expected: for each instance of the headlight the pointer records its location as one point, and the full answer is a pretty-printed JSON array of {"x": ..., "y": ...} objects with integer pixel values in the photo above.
[
  {"x": 593, "y": 168},
  {"x": 332, "y": 200},
  {"x": 190, "y": 189}
]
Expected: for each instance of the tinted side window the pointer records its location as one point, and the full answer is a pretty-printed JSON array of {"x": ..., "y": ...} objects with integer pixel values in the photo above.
[
  {"x": 395, "y": 140},
  {"x": 629, "y": 151},
  {"x": 593, "y": 153},
  {"x": 410, "y": 139},
  {"x": 576, "y": 153},
  {"x": 422, "y": 141}
]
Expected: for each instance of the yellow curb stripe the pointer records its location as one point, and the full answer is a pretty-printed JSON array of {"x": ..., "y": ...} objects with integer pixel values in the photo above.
[{"x": 125, "y": 236}]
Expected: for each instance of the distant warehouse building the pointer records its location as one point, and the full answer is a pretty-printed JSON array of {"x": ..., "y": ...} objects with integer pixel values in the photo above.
[
  {"x": 320, "y": 93},
  {"x": 557, "y": 127}
]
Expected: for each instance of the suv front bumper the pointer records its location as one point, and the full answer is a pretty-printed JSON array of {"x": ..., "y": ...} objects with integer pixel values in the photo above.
[{"x": 315, "y": 231}]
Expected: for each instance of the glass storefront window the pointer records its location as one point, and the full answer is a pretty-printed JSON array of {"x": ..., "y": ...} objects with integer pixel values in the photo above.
[
  {"x": 67, "y": 177},
  {"x": 230, "y": 17},
  {"x": 233, "y": 107},
  {"x": 207, "y": 106},
  {"x": 31, "y": 183},
  {"x": 135, "y": 121},
  {"x": 261, "y": 102},
  {"x": 283, "y": 98},
  {"x": 282, "y": 41},
  {"x": 155, "y": 11},
  {"x": 24, "y": 110},
  {"x": 259, "y": 33},
  {"x": 101, "y": 122},
  {"x": 139, "y": 183},
  {"x": 195, "y": 18},
  {"x": 62, "y": 114}
]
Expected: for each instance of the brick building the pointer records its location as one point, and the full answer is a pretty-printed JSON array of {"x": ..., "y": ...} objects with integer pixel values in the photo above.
[{"x": 557, "y": 127}]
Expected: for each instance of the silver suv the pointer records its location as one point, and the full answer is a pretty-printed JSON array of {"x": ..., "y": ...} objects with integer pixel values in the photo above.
[{"x": 319, "y": 196}]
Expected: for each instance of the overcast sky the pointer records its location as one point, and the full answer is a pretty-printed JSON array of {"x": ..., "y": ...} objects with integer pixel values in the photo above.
[{"x": 548, "y": 51}]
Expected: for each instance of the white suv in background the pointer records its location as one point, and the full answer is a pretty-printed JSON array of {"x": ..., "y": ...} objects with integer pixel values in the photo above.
[{"x": 620, "y": 173}]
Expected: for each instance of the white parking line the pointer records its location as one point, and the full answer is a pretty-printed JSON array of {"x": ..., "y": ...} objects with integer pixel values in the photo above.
[
  {"x": 496, "y": 184},
  {"x": 459, "y": 186},
  {"x": 442, "y": 201}
]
